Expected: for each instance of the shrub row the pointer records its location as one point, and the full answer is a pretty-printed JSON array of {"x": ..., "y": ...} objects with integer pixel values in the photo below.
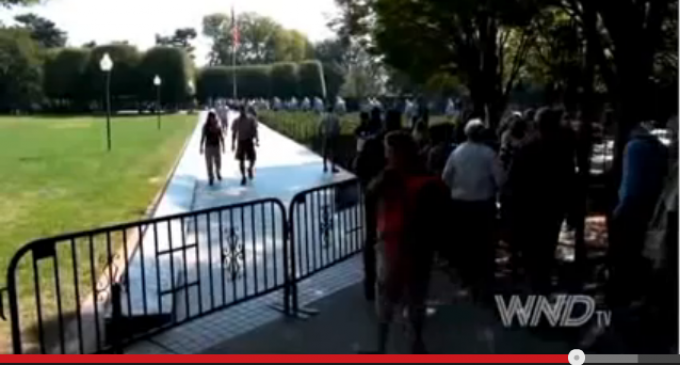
[
  {"x": 283, "y": 80},
  {"x": 72, "y": 76}
]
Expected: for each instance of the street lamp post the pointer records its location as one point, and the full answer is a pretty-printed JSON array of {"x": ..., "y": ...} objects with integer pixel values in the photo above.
[
  {"x": 106, "y": 65},
  {"x": 192, "y": 91},
  {"x": 157, "y": 81}
]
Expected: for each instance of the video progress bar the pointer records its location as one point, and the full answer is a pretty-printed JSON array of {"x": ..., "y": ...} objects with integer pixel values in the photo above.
[{"x": 633, "y": 359}]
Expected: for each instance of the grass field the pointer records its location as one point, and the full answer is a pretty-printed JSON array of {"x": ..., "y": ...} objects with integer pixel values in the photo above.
[{"x": 57, "y": 176}]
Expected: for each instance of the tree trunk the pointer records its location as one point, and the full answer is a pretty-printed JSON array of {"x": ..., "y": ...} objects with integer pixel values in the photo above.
[{"x": 584, "y": 145}]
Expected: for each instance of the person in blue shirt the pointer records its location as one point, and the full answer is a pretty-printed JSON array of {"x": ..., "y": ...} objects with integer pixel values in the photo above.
[{"x": 645, "y": 164}]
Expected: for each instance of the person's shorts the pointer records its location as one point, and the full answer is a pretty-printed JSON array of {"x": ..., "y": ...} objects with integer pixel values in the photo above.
[
  {"x": 245, "y": 150},
  {"x": 395, "y": 288}
]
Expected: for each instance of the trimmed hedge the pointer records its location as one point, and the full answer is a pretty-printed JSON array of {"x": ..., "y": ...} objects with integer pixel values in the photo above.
[
  {"x": 254, "y": 81},
  {"x": 175, "y": 69},
  {"x": 304, "y": 128},
  {"x": 310, "y": 78},
  {"x": 283, "y": 80},
  {"x": 73, "y": 78},
  {"x": 214, "y": 82}
]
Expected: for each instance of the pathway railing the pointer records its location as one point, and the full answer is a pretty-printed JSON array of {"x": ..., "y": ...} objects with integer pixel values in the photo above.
[
  {"x": 99, "y": 290},
  {"x": 326, "y": 228}
]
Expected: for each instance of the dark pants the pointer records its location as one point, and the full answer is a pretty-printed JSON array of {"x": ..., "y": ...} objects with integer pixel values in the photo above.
[
  {"x": 474, "y": 253},
  {"x": 628, "y": 229},
  {"x": 535, "y": 236},
  {"x": 369, "y": 254},
  {"x": 329, "y": 151}
]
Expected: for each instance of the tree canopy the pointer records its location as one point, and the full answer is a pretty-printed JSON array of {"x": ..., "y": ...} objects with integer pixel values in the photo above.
[
  {"x": 182, "y": 39},
  {"x": 20, "y": 70},
  {"x": 261, "y": 40},
  {"x": 42, "y": 30}
]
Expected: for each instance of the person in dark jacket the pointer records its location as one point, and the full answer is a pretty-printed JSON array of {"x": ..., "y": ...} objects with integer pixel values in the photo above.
[
  {"x": 369, "y": 163},
  {"x": 363, "y": 131},
  {"x": 441, "y": 146},
  {"x": 539, "y": 187}
]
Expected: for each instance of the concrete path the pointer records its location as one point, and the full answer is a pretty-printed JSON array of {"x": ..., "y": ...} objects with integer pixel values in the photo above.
[
  {"x": 179, "y": 252},
  {"x": 347, "y": 324}
]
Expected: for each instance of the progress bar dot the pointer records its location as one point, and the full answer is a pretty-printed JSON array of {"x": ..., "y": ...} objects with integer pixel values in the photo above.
[{"x": 577, "y": 357}]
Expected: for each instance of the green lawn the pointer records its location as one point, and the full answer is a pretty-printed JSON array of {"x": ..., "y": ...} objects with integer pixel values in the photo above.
[{"x": 57, "y": 176}]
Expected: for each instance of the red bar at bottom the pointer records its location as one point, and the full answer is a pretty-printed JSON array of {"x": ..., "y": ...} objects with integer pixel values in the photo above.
[{"x": 178, "y": 359}]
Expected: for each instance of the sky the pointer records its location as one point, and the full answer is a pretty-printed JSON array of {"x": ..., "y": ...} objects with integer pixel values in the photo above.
[{"x": 138, "y": 21}]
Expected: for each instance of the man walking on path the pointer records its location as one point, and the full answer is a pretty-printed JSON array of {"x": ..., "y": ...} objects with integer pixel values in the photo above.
[
  {"x": 223, "y": 114},
  {"x": 329, "y": 129},
  {"x": 212, "y": 143},
  {"x": 244, "y": 131}
]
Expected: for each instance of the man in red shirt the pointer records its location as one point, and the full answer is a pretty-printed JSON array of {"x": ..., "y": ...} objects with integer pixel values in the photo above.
[{"x": 410, "y": 226}]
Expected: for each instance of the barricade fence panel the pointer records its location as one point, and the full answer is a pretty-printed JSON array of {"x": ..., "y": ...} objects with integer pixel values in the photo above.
[
  {"x": 100, "y": 290},
  {"x": 166, "y": 271},
  {"x": 326, "y": 227}
]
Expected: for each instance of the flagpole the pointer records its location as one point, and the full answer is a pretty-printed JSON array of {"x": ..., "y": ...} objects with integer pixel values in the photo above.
[{"x": 233, "y": 54}]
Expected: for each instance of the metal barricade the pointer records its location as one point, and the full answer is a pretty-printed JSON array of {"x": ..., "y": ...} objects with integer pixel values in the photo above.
[
  {"x": 99, "y": 290},
  {"x": 326, "y": 228}
]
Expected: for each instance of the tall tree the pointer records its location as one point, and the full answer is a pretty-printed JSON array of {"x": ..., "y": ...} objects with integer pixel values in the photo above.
[
  {"x": 182, "y": 38},
  {"x": 8, "y": 3},
  {"x": 333, "y": 55},
  {"x": 20, "y": 70},
  {"x": 43, "y": 30},
  {"x": 261, "y": 40},
  {"x": 64, "y": 81},
  {"x": 331, "y": 51}
]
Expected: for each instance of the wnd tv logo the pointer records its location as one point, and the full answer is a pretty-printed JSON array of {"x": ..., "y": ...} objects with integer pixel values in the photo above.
[{"x": 562, "y": 311}]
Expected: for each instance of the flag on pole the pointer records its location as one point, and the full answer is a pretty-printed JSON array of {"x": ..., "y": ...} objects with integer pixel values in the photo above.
[{"x": 234, "y": 30}]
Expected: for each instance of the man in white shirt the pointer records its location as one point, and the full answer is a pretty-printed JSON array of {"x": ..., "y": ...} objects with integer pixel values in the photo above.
[
  {"x": 306, "y": 104},
  {"x": 318, "y": 105},
  {"x": 474, "y": 175},
  {"x": 329, "y": 129},
  {"x": 223, "y": 114},
  {"x": 451, "y": 110},
  {"x": 340, "y": 106}
]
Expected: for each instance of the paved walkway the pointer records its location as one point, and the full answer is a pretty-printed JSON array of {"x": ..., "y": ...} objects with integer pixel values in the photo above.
[
  {"x": 347, "y": 324},
  {"x": 284, "y": 168}
]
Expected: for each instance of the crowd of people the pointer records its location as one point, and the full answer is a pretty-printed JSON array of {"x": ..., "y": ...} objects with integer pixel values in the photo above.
[{"x": 453, "y": 193}]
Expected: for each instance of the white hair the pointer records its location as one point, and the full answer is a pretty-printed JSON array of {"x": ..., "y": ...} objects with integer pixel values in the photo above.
[{"x": 473, "y": 128}]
